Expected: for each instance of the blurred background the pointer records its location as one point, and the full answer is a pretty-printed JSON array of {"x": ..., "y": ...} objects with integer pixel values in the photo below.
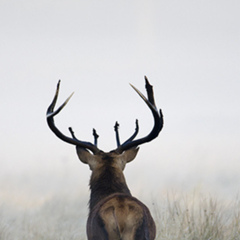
[{"x": 190, "y": 52}]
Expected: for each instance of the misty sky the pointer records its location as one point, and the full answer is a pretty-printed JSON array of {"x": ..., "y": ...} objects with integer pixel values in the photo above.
[{"x": 189, "y": 50}]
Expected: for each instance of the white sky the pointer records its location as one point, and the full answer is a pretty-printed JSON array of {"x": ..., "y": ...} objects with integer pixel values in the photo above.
[{"x": 190, "y": 51}]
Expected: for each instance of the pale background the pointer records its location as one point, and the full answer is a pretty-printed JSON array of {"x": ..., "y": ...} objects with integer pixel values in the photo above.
[{"x": 190, "y": 51}]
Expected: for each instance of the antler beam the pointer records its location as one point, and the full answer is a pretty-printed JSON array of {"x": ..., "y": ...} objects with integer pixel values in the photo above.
[
  {"x": 50, "y": 120},
  {"x": 158, "y": 120}
]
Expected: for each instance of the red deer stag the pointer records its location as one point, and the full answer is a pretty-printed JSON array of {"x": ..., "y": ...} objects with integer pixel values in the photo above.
[{"x": 114, "y": 214}]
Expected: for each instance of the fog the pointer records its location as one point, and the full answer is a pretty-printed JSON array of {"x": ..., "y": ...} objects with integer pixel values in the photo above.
[{"x": 190, "y": 52}]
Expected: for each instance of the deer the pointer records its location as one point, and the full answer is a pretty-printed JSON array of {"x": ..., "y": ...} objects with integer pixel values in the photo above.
[{"x": 114, "y": 214}]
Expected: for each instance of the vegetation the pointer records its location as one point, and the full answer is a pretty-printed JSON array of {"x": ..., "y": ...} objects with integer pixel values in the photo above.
[
  {"x": 197, "y": 217},
  {"x": 178, "y": 217}
]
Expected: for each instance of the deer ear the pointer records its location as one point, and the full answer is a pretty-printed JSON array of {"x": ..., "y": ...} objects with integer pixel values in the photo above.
[
  {"x": 130, "y": 154},
  {"x": 84, "y": 155}
]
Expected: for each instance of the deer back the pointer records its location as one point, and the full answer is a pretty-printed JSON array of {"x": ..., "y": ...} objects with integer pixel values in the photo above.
[{"x": 120, "y": 216}]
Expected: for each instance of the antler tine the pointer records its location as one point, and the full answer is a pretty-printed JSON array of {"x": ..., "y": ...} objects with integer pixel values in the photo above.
[
  {"x": 50, "y": 110},
  {"x": 149, "y": 89},
  {"x": 72, "y": 133},
  {"x": 96, "y": 136},
  {"x": 50, "y": 120},
  {"x": 134, "y": 134},
  {"x": 116, "y": 127},
  {"x": 158, "y": 120}
]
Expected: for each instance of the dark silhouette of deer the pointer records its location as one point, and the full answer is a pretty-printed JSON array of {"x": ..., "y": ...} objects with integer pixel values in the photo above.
[{"x": 114, "y": 214}]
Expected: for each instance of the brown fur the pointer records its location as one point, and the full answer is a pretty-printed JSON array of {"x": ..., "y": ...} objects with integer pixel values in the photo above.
[
  {"x": 120, "y": 217},
  {"x": 114, "y": 214}
]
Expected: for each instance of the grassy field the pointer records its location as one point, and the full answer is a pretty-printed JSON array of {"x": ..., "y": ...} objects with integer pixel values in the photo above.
[
  {"x": 192, "y": 216},
  {"x": 197, "y": 217}
]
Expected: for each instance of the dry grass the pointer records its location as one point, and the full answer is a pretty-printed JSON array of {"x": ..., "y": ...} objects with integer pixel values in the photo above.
[
  {"x": 57, "y": 219},
  {"x": 197, "y": 217},
  {"x": 178, "y": 217}
]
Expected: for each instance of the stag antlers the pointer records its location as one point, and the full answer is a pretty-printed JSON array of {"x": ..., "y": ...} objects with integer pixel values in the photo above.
[{"x": 158, "y": 124}]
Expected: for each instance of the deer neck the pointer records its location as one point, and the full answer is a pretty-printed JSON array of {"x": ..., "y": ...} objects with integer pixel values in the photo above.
[{"x": 105, "y": 183}]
